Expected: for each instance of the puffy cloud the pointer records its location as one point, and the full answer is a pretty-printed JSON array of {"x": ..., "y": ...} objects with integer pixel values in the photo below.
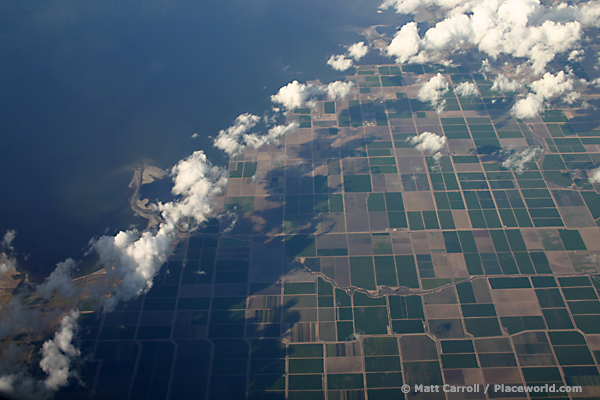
[
  {"x": 230, "y": 218},
  {"x": 6, "y": 265},
  {"x": 58, "y": 356},
  {"x": 15, "y": 379},
  {"x": 58, "y": 352},
  {"x": 428, "y": 142},
  {"x": 235, "y": 139},
  {"x": 547, "y": 88},
  {"x": 595, "y": 176},
  {"x": 338, "y": 90},
  {"x": 343, "y": 62},
  {"x": 449, "y": 33},
  {"x": 295, "y": 94},
  {"x": 433, "y": 91},
  {"x": 519, "y": 28},
  {"x": 504, "y": 84},
  {"x": 358, "y": 50},
  {"x": 466, "y": 89},
  {"x": 60, "y": 280},
  {"x": 589, "y": 13},
  {"x": 409, "y": 6},
  {"x": 136, "y": 257},
  {"x": 405, "y": 44},
  {"x": 573, "y": 97},
  {"x": 486, "y": 67},
  {"x": 7, "y": 261},
  {"x": 517, "y": 159},
  {"x": 339, "y": 62},
  {"x": 551, "y": 86},
  {"x": 528, "y": 107},
  {"x": 257, "y": 141},
  {"x": 228, "y": 139},
  {"x": 197, "y": 182},
  {"x": 8, "y": 238},
  {"x": 576, "y": 55}
]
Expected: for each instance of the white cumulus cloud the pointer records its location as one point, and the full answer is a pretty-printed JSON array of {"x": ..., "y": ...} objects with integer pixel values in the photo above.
[
  {"x": 595, "y": 176},
  {"x": 338, "y": 90},
  {"x": 518, "y": 28},
  {"x": 6, "y": 265},
  {"x": 339, "y": 62},
  {"x": 433, "y": 91},
  {"x": 136, "y": 257},
  {"x": 197, "y": 182},
  {"x": 405, "y": 44},
  {"x": 528, "y": 107},
  {"x": 60, "y": 280},
  {"x": 409, "y": 6},
  {"x": 466, "y": 89},
  {"x": 257, "y": 141},
  {"x": 545, "y": 89},
  {"x": 8, "y": 238},
  {"x": 504, "y": 84},
  {"x": 228, "y": 139},
  {"x": 16, "y": 379},
  {"x": 428, "y": 142},
  {"x": 358, "y": 50},
  {"x": 58, "y": 352},
  {"x": 296, "y": 95},
  {"x": 7, "y": 260},
  {"x": 517, "y": 159},
  {"x": 236, "y": 138},
  {"x": 551, "y": 86},
  {"x": 342, "y": 62}
]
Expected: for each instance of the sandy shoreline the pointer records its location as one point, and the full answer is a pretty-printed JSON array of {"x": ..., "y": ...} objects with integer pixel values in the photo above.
[{"x": 145, "y": 174}]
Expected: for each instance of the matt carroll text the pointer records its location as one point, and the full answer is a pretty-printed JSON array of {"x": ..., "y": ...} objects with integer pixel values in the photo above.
[
  {"x": 477, "y": 388},
  {"x": 447, "y": 388}
]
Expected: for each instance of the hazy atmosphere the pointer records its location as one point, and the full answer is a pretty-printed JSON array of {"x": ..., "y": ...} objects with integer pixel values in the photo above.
[{"x": 293, "y": 200}]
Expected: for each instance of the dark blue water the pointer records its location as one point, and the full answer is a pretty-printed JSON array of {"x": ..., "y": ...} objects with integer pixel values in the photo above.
[{"x": 88, "y": 89}]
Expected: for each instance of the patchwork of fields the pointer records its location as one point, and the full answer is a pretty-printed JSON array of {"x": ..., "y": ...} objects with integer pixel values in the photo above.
[{"x": 357, "y": 263}]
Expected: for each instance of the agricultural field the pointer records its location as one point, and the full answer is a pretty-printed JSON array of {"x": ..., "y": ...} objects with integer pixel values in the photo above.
[{"x": 359, "y": 263}]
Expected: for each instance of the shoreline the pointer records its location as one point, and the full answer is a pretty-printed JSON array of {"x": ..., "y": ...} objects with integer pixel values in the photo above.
[{"x": 145, "y": 174}]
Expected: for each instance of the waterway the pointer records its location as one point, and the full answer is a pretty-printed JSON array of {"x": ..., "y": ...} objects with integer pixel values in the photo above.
[{"x": 91, "y": 89}]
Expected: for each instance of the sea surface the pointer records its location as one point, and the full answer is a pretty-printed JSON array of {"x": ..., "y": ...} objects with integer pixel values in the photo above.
[{"x": 90, "y": 89}]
